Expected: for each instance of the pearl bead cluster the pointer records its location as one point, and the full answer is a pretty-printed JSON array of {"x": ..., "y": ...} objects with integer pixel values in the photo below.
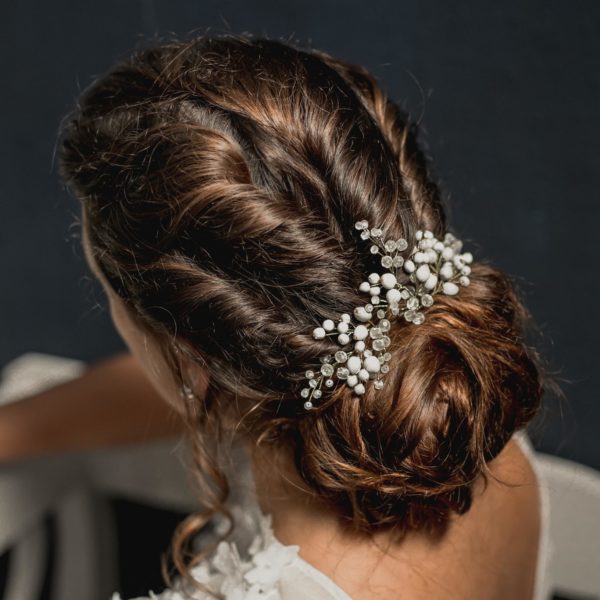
[{"x": 433, "y": 266}]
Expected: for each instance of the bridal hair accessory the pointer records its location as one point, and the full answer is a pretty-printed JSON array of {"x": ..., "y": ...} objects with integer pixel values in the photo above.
[
  {"x": 433, "y": 266},
  {"x": 187, "y": 392}
]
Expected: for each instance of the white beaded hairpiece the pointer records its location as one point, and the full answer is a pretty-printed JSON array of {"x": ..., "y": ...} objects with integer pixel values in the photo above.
[{"x": 433, "y": 266}]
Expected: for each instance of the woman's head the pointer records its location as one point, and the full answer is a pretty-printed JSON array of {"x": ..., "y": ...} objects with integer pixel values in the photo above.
[{"x": 220, "y": 180}]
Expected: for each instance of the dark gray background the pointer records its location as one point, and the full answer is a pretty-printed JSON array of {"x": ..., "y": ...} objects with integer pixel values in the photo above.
[{"x": 507, "y": 94}]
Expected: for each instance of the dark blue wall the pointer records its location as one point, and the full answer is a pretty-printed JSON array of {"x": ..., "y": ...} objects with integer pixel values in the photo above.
[{"x": 507, "y": 94}]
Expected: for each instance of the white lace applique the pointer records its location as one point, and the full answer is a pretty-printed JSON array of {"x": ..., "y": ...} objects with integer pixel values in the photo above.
[{"x": 253, "y": 577}]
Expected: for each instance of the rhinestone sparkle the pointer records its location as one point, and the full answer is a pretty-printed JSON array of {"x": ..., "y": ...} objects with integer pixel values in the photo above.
[
  {"x": 426, "y": 299},
  {"x": 387, "y": 261},
  {"x": 378, "y": 345},
  {"x": 342, "y": 373},
  {"x": 397, "y": 261},
  {"x": 412, "y": 303},
  {"x": 418, "y": 318},
  {"x": 341, "y": 356},
  {"x": 327, "y": 370}
]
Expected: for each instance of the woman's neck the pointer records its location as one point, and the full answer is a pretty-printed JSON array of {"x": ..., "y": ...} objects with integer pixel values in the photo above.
[
  {"x": 282, "y": 493},
  {"x": 299, "y": 517},
  {"x": 474, "y": 554}
]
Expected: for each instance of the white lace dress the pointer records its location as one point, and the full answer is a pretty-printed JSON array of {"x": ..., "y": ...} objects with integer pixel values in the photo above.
[{"x": 253, "y": 565}]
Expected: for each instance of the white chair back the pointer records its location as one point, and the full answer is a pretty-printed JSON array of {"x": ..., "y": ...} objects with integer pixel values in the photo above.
[
  {"x": 574, "y": 494},
  {"x": 74, "y": 488}
]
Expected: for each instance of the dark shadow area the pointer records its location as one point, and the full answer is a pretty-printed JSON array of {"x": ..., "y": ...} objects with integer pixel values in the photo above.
[{"x": 143, "y": 534}]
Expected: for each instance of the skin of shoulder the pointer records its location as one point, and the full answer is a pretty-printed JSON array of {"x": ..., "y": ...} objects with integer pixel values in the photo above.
[{"x": 488, "y": 553}]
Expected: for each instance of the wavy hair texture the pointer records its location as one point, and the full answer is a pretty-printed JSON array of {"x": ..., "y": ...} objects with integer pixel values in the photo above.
[{"x": 220, "y": 179}]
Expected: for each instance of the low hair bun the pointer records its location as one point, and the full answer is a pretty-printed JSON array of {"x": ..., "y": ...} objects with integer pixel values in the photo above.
[{"x": 459, "y": 386}]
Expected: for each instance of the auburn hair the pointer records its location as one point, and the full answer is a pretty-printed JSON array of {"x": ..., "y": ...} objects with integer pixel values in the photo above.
[{"x": 220, "y": 178}]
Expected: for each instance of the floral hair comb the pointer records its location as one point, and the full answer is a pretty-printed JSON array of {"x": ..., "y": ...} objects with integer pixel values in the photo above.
[{"x": 433, "y": 266}]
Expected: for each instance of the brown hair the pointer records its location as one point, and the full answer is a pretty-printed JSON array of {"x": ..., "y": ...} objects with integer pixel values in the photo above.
[{"x": 220, "y": 179}]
